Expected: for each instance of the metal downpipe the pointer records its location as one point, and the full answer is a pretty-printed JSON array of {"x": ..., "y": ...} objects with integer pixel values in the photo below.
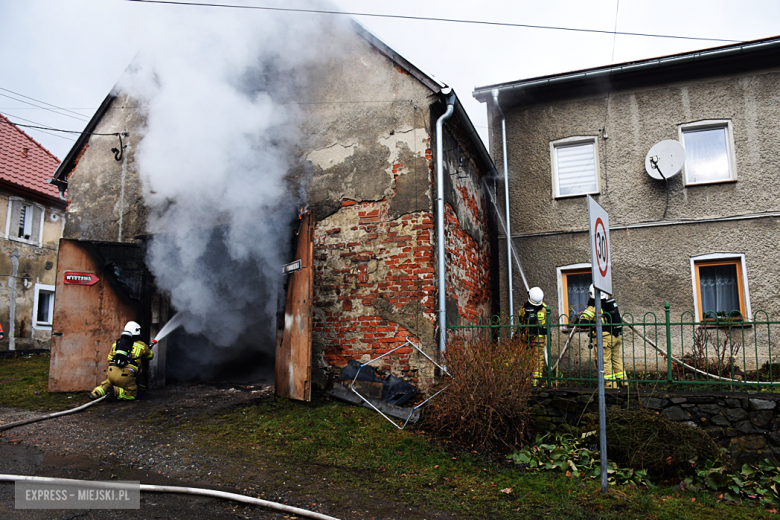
[
  {"x": 506, "y": 203},
  {"x": 440, "y": 238}
]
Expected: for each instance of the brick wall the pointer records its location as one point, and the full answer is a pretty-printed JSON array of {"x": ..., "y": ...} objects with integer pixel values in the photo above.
[
  {"x": 375, "y": 281},
  {"x": 374, "y": 287}
]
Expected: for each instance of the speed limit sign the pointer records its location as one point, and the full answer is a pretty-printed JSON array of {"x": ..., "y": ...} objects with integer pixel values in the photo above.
[{"x": 601, "y": 263}]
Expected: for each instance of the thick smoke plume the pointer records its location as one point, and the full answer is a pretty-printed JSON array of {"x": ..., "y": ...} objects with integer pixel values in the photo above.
[{"x": 219, "y": 90}]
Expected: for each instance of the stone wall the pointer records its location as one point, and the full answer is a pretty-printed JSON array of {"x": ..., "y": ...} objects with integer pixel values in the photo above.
[{"x": 747, "y": 424}]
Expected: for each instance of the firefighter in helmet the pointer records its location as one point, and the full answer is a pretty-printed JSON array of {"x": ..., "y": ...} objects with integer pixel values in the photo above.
[
  {"x": 533, "y": 331},
  {"x": 125, "y": 362},
  {"x": 612, "y": 329}
]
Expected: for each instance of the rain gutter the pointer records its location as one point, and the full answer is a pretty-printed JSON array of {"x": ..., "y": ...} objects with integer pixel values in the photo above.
[
  {"x": 506, "y": 203},
  {"x": 587, "y": 74}
]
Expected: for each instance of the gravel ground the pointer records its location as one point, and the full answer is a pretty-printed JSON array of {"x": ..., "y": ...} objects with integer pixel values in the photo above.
[{"x": 116, "y": 441}]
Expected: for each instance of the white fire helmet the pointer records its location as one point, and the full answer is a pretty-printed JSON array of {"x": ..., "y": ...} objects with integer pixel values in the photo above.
[
  {"x": 592, "y": 293},
  {"x": 535, "y": 296},
  {"x": 133, "y": 328}
]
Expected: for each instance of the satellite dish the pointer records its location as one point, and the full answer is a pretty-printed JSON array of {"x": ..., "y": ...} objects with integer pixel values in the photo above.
[{"x": 665, "y": 159}]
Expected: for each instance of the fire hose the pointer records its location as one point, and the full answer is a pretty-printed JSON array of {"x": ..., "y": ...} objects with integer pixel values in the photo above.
[
  {"x": 51, "y": 416},
  {"x": 186, "y": 491}
]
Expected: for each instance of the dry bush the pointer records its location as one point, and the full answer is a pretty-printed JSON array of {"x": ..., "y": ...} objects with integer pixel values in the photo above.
[{"x": 486, "y": 406}]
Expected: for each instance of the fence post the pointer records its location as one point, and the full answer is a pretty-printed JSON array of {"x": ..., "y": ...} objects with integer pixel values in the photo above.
[
  {"x": 668, "y": 343},
  {"x": 548, "y": 346}
]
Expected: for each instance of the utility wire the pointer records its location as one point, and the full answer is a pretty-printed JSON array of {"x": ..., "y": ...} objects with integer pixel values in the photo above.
[
  {"x": 80, "y": 118},
  {"x": 37, "y": 123},
  {"x": 431, "y": 19},
  {"x": 45, "y": 103},
  {"x": 57, "y": 129}
]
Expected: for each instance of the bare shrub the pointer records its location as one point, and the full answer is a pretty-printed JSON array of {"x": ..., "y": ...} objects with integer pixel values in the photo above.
[
  {"x": 714, "y": 353},
  {"x": 486, "y": 406}
]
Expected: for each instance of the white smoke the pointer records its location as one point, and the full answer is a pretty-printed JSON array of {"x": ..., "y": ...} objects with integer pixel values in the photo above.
[{"x": 219, "y": 88}]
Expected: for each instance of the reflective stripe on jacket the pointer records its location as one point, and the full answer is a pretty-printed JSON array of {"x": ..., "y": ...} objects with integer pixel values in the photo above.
[{"x": 140, "y": 351}]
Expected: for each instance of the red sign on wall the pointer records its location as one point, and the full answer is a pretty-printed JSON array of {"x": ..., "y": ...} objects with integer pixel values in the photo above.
[{"x": 73, "y": 278}]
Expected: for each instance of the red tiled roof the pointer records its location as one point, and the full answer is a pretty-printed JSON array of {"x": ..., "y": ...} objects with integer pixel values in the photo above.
[{"x": 24, "y": 162}]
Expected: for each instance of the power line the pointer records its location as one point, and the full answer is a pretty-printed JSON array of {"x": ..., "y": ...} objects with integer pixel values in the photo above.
[
  {"x": 432, "y": 19},
  {"x": 37, "y": 123},
  {"x": 38, "y": 108},
  {"x": 115, "y": 134},
  {"x": 81, "y": 118},
  {"x": 45, "y": 103}
]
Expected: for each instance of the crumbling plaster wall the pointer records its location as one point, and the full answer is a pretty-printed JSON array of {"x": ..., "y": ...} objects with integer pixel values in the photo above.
[
  {"x": 650, "y": 265},
  {"x": 105, "y": 194},
  {"x": 371, "y": 186}
]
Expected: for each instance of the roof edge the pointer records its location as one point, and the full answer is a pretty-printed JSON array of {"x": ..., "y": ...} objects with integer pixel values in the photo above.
[
  {"x": 33, "y": 195},
  {"x": 67, "y": 164},
  {"x": 422, "y": 76},
  {"x": 483, "y": 93}
]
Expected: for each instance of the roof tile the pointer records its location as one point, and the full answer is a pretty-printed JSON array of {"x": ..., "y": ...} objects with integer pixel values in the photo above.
[{"x": 24, "y": 162}]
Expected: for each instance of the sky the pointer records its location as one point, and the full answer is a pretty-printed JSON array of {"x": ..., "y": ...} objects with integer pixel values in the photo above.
[{"x": 69, "y": 53}]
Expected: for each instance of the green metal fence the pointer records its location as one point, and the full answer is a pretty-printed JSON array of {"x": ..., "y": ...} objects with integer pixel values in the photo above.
[{"x": 719, "y": 352}]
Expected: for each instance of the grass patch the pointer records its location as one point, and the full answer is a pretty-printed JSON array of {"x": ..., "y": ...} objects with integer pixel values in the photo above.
[
  {"x": 359, "y": 448},
  {"x": 24, "y": 384},
  {"x": 369, "y": 459}
]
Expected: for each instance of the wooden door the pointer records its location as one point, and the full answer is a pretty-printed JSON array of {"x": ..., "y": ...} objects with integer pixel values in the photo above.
[
  {"x": 89, "y": 315},
  {"x": 293, "y": 353}
]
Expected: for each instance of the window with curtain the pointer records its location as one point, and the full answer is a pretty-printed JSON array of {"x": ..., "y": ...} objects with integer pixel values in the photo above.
[
  {"x": 575, "y": 292},
  {"x": 575, "y": 170},
  {"x": 720, "y": 289},
  {"x": 708, "y": 152}
]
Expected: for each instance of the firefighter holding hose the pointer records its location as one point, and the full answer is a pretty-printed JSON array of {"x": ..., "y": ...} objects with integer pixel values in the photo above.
[
  {"x": 125, "y": 362},
  {"x": 612, "y": 328},
  {"x": 533, "y": 319}
]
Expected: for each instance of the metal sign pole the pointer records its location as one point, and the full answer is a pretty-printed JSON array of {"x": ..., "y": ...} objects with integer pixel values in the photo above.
[
  {"x": 601, "y": 273},
  {"x": 602, "y": 404}
]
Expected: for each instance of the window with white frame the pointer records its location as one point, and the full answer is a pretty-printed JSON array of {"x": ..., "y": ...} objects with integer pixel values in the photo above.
[
  {"x": 573, "y": 283},
  {"x": 720, "y": 287},
  {"x": 574, "y": 166},
  {"x": 43, "y": 306},
  {"x": 709, "y": 152},
  {"x": 24, "y": 221}
]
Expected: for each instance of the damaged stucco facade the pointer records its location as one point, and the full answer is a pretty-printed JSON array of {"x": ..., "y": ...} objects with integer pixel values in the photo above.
[
  {"x": 27, "y": 266},
  {"x": 372, "y": 190},
  {"x": 106, "y": 201},
  {"x": 364, "y": 166}
]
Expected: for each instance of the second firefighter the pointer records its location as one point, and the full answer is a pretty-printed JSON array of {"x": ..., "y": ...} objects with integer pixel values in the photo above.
[{"x": 612, "y": 328}]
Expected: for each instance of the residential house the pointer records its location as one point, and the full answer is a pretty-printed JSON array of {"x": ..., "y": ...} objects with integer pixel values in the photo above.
[
  {"x": 705, "y": 240},
  {"x": 33, "y": 216}
]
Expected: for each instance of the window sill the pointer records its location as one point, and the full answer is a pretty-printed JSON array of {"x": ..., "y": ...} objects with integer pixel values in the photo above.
[
  {"x": 722, "y": 181},
  {"x": 23, "y": 241},
  {"x": 726, "y": 324},
  {"x": 556, "y": 197}
]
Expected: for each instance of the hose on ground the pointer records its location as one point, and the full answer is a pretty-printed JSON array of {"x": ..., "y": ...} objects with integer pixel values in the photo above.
[
  {"x": 187, "y": 491},
  {"x": 51, "y": 416}
]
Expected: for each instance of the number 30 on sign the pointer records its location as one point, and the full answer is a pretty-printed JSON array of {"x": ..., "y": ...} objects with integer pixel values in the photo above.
[{"x": 599, "y": 246}]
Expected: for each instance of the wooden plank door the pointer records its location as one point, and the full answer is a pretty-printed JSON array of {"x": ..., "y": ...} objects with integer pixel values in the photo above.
[
  {"x": 293, "y": 353},
  {"x": 88, "y": 318}
]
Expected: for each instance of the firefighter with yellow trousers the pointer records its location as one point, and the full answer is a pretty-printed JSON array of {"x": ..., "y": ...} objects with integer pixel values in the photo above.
[
  {"x": 125, "y": 362},
  {"x": 612, "y": 329},
  {"x": 533, "y": 318}
]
